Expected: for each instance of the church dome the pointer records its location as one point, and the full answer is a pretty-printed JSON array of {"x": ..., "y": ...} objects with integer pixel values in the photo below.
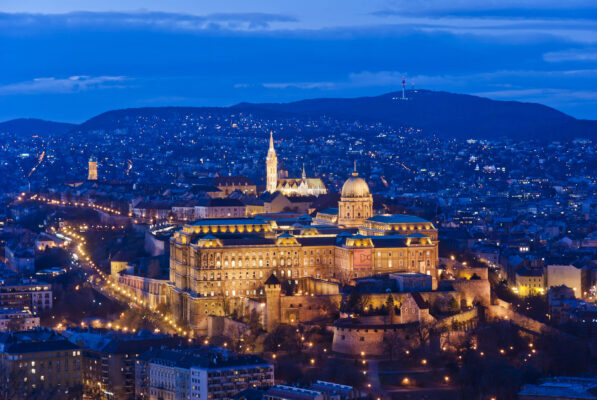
[{"x": 355, "y": 187}]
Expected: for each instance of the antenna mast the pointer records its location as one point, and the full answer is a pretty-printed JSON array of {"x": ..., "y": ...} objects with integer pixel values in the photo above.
[{"x": 403, "y": 85}]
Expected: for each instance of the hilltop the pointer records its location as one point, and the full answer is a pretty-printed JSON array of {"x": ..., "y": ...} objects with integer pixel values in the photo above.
[{"x": 445, "y": 115}]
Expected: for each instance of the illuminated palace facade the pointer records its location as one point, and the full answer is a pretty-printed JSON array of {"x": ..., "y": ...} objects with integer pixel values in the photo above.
[{"x": 216, "y": 264}]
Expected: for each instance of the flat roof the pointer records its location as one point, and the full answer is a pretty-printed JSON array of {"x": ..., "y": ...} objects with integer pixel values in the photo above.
[
  {"x": 228, "y": 221},
  {"x": 398, "y": 219}
]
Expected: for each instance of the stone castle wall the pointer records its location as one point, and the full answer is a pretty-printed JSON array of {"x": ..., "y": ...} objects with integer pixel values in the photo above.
[{"x": 473, "y": 291}]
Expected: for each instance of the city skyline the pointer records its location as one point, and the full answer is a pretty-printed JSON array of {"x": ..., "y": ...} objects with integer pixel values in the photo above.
[{"x": 281, "y": 200}]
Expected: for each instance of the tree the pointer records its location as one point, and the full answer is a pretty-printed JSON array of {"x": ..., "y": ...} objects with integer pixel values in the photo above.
[
  {"x": 353, "y": 300},
  {"x": 424, "y": 331},
  {"x": 393, "y": 343},
  {"x": 482, "y": 378},
  {"x": 453, "y": 305},
  {"x": 357, "y": 302},
  {"x": 390, "y": 302},
  {"x": 254, "y": 323},
  {"x": 283, "y": 338}
]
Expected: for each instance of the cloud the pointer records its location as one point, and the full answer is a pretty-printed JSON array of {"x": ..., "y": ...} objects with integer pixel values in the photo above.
[
  {"x": 571, "y": 55},
  {"x": 72, "y": 84},
  {"x": 354, "y": 80},
  {"x": 574, "y": 20},
  {"x": 300, "y": 85},
  {"x": 511, "y": 8},
  {"x": 393, "y": 79},
  {"x": 151, "y": 20},
  {"x": 541, "y": 94}
]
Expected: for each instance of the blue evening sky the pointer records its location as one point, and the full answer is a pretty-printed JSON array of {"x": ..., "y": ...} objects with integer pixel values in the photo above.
[{"x": 69, "y": 60}]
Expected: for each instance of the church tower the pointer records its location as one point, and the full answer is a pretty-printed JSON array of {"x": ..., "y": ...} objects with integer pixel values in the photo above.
[
  {"x": 356, "y": 202},
  {"x": 92, "y": 175},
  {"x": 271, "y": 166}
]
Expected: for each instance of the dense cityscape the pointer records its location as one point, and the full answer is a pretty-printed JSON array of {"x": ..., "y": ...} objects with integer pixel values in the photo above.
[
  {"x": 340, "y": 200},
  {"x": 139, "y": 272}
]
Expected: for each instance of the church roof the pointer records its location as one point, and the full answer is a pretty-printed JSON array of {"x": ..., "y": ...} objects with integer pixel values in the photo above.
[
  {"x": 315, "y": 183},
  {"x": 312, "y": 183}
]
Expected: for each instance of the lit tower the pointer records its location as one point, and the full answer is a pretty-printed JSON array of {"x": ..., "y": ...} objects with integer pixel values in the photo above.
[
  {"x": 271, "y": 166},
  {"x": 273, "y": 289},
  {"x": 92, "y": 176}
]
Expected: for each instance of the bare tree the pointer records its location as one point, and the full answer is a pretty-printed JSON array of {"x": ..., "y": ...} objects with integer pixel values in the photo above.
[{"x": 393, "y": 343}]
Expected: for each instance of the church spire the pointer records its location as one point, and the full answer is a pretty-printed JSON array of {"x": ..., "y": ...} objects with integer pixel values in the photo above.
[
  {"x": 304, "y": 173},
  {"x": 271, "y": 165}
]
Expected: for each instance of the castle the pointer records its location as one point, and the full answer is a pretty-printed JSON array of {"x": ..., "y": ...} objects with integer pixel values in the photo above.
[{"x": 217, "y": 265}]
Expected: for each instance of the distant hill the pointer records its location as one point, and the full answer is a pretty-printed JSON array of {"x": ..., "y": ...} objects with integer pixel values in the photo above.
[
  {"x": 32, "y": 126},
  {"x": 447, "y": 115}
]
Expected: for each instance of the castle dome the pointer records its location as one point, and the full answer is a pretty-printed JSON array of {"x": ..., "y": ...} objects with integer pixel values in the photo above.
[{"x": 355, "y": 187}]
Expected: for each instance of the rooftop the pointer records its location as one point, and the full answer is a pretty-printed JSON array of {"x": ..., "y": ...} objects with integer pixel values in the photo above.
[
  {"x": 228, "y": 221},
  {"x": 398, "y": 219}
]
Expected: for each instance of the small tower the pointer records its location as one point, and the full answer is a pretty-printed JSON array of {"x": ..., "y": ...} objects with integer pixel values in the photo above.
[
  {"x": 271, "y": 166},
  {"x": 304, "y": 176},
  {"x": 272, "y": 302},
  {"x": 92, "y": 175}
]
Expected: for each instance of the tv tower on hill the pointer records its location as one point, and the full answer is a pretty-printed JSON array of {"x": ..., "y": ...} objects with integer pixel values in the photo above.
[
  {"x": 403, "y": 97},
  {"x": 403, "y": 86}
]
